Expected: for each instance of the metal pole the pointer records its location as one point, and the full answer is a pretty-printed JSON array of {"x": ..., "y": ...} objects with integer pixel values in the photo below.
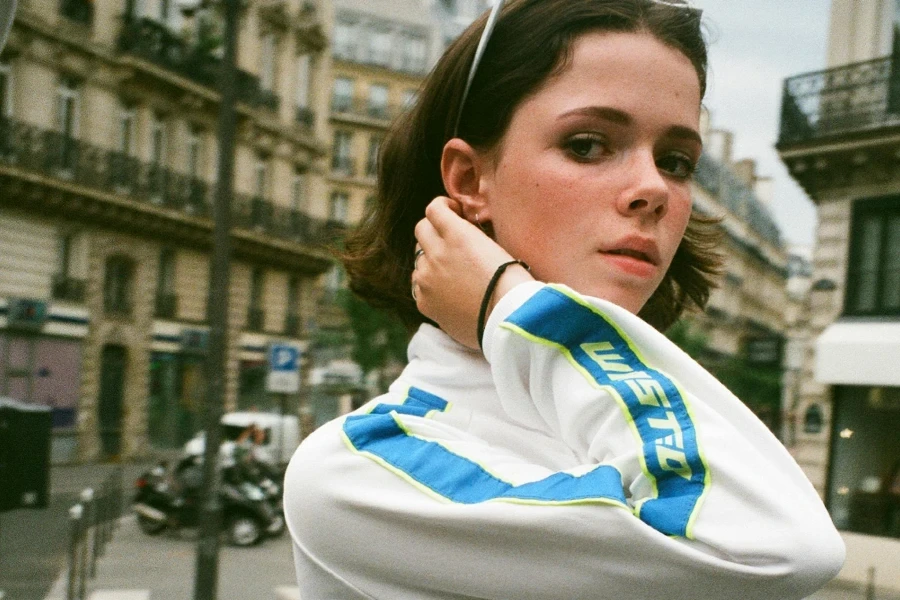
[
  {"x": 75, "y": 516},
  {"x": 206, "y": 577}
]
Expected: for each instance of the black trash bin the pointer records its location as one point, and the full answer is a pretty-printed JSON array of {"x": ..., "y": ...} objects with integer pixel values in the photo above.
[{"x": 24, "y": 455}]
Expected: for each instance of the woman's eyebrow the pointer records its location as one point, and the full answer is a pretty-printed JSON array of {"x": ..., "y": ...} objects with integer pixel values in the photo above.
[{"x": 620, "y": 117}]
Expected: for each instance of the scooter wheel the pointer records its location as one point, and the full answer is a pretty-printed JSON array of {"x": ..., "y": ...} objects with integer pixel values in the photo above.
[
  {"x": 277, "y": 527},
  {"x": 244, "y": 531},
  {"x": 150, "y": 526}
]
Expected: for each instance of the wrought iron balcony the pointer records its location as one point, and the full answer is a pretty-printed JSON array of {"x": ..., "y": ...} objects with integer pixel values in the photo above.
[
  {"x": 153, "y": 42},
  {"x": 845, "y": 100},
  {"x": 68, "y": 160}
]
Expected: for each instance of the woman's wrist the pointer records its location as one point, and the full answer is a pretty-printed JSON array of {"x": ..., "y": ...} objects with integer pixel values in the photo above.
[{"x": 512, "y": 277}]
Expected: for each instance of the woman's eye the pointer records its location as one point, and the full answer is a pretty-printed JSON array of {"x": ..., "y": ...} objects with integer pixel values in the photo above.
[
  {"x": 586, "y": 147},
  {"x": 677, "y": 165}
]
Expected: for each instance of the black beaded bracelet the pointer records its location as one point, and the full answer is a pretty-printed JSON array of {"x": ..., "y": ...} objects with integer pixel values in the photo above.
[{"x": 490, "y": 292}]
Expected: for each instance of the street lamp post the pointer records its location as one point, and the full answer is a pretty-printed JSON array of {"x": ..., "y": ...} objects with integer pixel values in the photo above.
[{"x": 207, "y": 565}]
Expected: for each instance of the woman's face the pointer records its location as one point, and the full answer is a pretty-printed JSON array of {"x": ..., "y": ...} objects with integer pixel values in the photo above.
[{"x": 592, "y": 183}]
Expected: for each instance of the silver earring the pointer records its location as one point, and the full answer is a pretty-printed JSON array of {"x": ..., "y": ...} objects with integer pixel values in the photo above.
[{"x": 478, "y": 222}]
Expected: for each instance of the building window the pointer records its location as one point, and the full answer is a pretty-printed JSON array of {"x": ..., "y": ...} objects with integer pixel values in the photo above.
[
  {"x": 166, "y": 302},
  {"x": 344, "y": 40},
  {"x": 372, "y": 158},
  {"x": 255, "y": 315},
  {"x": 5, "y": 90},
  {"x": 158, "y": 140},
  {"x": 126, "y": 130},
  {"x": 268, "y": 62},
  {"x": 338, "y": 207},
  {"x": 873, "y": 274},
  {"x": 342, "y": 94},
  {"x": 341, "y": 159},
  {"x": 117, "y": 285},
  {"x": 413, "y": 58},
  {"x": 67, "y": 107},
  {"x": 298, "y": 191},
  {"x": 304, "y": 76},
  {"x": 261, "y": 176},
  {"x": 79, "y": 11},
  {"x": 194, "y": 151},
  {"x": 293, "y": 323},
  {"x": 380, "y": 48},
  {"x": 378, "y": 101},
  {"x": 64, "y": 285},
  {"x": 864, "y": 476}
]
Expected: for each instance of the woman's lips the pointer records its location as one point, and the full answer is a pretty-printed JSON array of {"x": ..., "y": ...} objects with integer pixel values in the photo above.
[{"x": 630, "y": 264}]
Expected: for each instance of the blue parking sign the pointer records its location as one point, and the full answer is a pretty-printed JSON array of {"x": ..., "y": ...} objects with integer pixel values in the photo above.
[{"x": 284, "y": 369}]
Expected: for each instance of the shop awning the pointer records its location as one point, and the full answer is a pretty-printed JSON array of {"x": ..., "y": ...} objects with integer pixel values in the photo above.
[{"x": 854, "y": 353}]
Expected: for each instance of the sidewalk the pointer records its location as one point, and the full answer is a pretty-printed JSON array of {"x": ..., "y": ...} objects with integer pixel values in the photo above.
[
  {"x": 136, "y": 566},
  {"x": 33, "y": 542}
]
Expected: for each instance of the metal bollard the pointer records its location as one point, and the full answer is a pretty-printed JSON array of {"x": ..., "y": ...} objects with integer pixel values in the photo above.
[
  {"x": 870, "y": 585},
  {"x": 76, "y": 515},
  {"x": 97, "y": 540},
  {"x": 87, "y": 500}
]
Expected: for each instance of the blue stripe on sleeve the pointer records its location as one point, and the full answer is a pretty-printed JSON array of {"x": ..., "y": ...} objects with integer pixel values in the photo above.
[
  {"x": 457, "y": 478},
  {"x": 652, "y": 401}
]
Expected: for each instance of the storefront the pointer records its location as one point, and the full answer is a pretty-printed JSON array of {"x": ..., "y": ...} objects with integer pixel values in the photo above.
[{"x": 864, "y": 479}]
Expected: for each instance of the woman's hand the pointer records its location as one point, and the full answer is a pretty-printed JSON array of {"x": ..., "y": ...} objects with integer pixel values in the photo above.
[{"x": 450, "y": 278}]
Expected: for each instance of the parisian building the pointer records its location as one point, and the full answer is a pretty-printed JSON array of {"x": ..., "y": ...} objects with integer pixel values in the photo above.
[
  {"x": 380, "y": 54},
  {"x": 108, "y": 153},
  {"x": 839, "y": 140},
  {"x": 743, "y": 328}
]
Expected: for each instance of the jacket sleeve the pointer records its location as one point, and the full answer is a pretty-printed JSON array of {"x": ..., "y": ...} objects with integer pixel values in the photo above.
[{"x": 682, "y": 493}]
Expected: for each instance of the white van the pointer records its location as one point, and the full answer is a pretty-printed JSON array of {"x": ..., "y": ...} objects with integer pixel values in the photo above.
[{"x": 281, "y": 435}]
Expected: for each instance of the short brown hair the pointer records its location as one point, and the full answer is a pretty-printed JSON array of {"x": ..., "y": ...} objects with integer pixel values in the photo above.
[{"x": 532, "y": 41}]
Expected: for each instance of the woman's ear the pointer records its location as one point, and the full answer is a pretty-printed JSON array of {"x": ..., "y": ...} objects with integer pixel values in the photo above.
[{"x": 463, "y": 170}]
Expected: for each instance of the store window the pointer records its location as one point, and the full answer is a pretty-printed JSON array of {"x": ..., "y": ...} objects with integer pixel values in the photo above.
[
  {"x": 873, "y": 273},
  {"x": 864, "y": 479},
  {"x": 177, "y": 395}
]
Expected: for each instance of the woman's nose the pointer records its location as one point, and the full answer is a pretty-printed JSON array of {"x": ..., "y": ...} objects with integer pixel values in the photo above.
[{"x": 647, "y": 193}]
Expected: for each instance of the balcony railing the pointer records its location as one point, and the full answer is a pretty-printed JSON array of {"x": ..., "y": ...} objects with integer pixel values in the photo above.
[
  {"x": 68, "y": 288},
  {"x": 849, "y": 99},
  {"x": 61, "y": 157},
  {"x": 361, "y": 107},
  {"x": 153, "y": 42}
]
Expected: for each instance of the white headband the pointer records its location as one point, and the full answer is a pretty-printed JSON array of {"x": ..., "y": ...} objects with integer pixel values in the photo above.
[{"x": 7, "y": 10}]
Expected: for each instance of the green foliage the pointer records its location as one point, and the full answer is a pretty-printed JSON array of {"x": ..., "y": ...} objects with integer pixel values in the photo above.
[
  {"x": 378, "y": 338},
  {"x": 684, "y": 336}
]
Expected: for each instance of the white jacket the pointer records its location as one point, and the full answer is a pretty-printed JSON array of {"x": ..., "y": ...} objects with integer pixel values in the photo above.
[{"x": 588, "y": 457}]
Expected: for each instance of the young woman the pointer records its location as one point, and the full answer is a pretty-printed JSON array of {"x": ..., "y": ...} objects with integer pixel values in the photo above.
[{"x": 578, "y": 454}]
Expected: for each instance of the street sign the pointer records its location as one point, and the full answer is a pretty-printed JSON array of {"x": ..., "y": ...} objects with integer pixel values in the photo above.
[{"x": 284, "y": 369}]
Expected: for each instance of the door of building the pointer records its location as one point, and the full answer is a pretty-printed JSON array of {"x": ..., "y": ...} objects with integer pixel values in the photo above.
[{"x": 109, "y": 404}]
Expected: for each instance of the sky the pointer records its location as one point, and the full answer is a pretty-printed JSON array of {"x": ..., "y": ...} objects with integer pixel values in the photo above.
[{"x": 754, "y": 46}]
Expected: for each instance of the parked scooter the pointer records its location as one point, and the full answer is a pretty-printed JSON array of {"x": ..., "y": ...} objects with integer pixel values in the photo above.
[{"x": 170, "y": 499}]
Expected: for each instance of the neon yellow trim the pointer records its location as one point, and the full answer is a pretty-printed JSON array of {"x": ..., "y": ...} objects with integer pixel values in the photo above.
[
  {"x": 623, "y": 407},
  {"x": 707, "y": 478},
  {"x": 398, "y": 472}
]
